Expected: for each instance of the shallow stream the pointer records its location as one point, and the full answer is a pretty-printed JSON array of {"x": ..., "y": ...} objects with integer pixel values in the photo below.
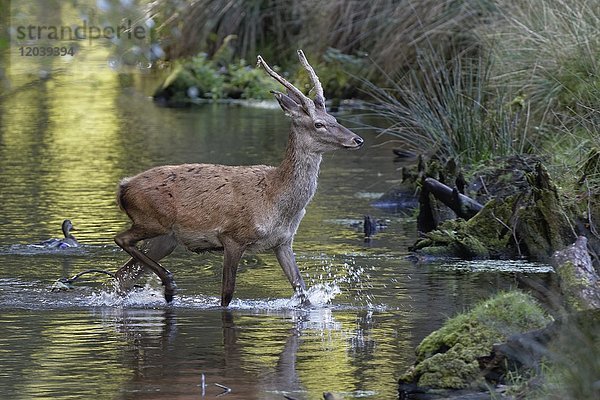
[{"x": 66, "y": 140}]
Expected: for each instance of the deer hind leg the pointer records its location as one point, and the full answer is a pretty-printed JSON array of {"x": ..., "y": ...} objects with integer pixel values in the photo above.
[
  {"x": 156, "y": 248},
  {"x": 127, "y": 241}
]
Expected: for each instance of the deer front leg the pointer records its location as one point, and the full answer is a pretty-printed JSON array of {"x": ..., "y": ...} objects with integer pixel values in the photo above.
[
  {"x": 233, "y": 254},
  {"x": 156, "y": 248},
  {"x": 287, "y": 260},
  {"x": 127, "y": 241}
]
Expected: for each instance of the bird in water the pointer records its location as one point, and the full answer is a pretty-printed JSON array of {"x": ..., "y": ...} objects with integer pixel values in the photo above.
[{"x": 63, "y": 243}]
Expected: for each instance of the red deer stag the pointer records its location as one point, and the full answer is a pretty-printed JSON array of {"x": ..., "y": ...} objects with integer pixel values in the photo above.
[{"x": 235, "y": 209}]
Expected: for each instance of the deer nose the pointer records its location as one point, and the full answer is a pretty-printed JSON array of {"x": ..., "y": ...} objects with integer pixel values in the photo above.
[{"x": 359, "y": 141}]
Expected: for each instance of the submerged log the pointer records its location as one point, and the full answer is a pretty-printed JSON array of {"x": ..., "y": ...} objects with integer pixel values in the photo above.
[
  {"x": 463, "y": 206},
  {"x": 579, "y": 281}
]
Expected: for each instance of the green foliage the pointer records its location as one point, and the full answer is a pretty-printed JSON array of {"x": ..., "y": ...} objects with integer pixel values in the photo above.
[
  {"x": 203, "y": 78},
  {"x": 207, "y": 78},
  {"x": 249, "y": 82}
]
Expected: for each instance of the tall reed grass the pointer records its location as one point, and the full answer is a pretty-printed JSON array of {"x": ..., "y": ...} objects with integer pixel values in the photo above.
[
  {"x": 448, "y": 109},
  {"x": 534, "y": 87},
  {"x": 550, "y": 51},
  {"x": 388, "y": 30}
]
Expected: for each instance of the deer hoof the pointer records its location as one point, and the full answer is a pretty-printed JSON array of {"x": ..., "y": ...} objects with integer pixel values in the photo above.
[
  {"x": 304, "y": 300},
  {"x": 170, "y": 288}
]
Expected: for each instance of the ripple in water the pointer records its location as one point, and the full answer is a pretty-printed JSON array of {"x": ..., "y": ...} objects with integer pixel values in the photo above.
[{"x": 521, "y": 266}]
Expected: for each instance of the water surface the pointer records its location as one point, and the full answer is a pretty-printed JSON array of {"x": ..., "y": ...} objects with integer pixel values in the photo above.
[{"x": 65, "y": 142}]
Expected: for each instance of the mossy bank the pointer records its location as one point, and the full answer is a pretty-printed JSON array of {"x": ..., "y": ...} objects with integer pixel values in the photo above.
[{"x": 449, "y": 357}]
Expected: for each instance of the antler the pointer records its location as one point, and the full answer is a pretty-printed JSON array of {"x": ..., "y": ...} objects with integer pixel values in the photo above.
[
  {"x": 319, "y": 96},
  {"x": 294, "y": 91}
]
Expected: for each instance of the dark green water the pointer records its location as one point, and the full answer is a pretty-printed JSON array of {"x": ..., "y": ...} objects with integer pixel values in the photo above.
[{"x": 65, "y": 142}]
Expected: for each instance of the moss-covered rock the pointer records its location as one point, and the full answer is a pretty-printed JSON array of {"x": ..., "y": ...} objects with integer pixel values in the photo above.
[
  {"x": 451, "y": 239},
  {"x": 448, "y": 358}
]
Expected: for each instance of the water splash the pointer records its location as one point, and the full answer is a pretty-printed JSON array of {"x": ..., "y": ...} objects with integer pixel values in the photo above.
[
  {"x": 148, "y": 296},
  {"x": 352, "y": 280},
  {"x": 334, "y": 283},
  {"x": 322, "y": 294},
  {"x": 319, "y": 296}
]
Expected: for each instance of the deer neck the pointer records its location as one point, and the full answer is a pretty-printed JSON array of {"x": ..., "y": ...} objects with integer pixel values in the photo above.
[{"x": 297, "y": 176}]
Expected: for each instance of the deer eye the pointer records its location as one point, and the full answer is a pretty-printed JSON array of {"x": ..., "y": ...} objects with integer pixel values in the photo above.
[{"x": 319, "y": 125}]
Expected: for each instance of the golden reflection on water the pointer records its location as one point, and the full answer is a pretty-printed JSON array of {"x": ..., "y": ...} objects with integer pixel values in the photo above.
[
  {"x": 66, "y": 358},
  {"x": 84, "y": 143},
  {"x": 64, "y": 129},
  {"x": 65, "y": 142}
]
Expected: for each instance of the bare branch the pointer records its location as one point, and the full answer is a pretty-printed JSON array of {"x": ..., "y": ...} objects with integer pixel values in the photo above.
[{"x": 512, "y": 230}]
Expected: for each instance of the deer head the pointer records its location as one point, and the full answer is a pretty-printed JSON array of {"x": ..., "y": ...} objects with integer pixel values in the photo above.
[{"x": 317, "y": 130}]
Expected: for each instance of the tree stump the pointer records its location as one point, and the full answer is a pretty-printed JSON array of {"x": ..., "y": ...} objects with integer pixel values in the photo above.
[{"x": 579, "y": 282}]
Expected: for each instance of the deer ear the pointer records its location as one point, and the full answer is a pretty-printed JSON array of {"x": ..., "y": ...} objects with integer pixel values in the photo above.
[
  {"x": 289, "y": 106},
  {"x": 319, "y": 102},
  {"x": 293, "y": 96}
]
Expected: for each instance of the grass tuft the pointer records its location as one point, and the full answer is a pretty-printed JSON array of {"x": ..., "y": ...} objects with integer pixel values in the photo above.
[{"x": 449, "y": 109}]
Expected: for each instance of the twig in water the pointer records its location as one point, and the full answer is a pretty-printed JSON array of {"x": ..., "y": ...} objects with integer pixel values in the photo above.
[
  {"x": 66, "y": 283},
  {"x": 225, "y": 389},
  {"x": 203, "y": 385}
]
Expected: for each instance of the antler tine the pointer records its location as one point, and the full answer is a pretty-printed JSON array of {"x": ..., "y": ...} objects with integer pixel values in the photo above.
[
  {"x": 319, "y": 96},
  {"x": 291, "y": 88}
]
